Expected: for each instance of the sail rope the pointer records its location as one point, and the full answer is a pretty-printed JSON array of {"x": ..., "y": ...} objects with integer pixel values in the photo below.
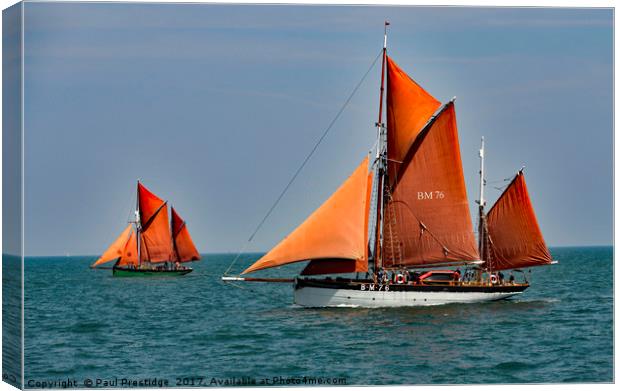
[
  {"x": 246, "y": 288},
  {"x": 423, "y": 227},
  {"x": 502, "y": 181},
  {"x": 132, "y": 211},
  {"x": 303, "y": 164}
]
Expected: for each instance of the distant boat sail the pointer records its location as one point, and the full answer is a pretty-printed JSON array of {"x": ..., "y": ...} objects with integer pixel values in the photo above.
[
  {"x": 421, "y": 220},
  {"x": 150, "y": 245}
]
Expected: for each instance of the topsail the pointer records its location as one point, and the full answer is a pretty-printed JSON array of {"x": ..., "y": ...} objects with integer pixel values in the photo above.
[{"x": 409, "y": 107}]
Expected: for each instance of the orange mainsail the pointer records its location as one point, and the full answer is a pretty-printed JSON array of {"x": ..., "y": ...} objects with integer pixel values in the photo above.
[
  {"x": 515, "y": 239},
  {"x": 409, "y": 107},
  {"x": 115, "y": 250},
  {"x": 427, "y": 219},
  {"x": 156, "y": 242},
  {"x": 335, "y": 231},
  {"x": 184, "y": 248},
  {"x": 130, "y": 252},
  {"x": 156, "y": 238}
]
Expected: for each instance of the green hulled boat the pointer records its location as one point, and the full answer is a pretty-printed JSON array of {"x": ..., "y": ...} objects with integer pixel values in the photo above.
[
  {"x": 151, "y": 245},
  {"x": 124, "y": 272}
]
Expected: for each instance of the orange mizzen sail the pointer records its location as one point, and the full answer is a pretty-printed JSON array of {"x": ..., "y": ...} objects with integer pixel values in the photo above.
[
  {"x": 130, "y": 252},
  {"x": 426, "y": 219},
  {"x": 335, "y": 231},
  {"x": 515, "y": 239},
  {"x": 184, "y": 248},
  {"x": 115, "y": 250},
  {"x": 327, "y": 266},
  {"x": 409, "y": 107}
]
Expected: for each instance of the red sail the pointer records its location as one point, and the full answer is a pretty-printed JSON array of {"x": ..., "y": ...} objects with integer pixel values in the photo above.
[
  {"x": 184, "y": 249},
  {"x": 156, "y": 237},
  {"x": 426, "y": 219},
  {"x": 148, "y": 204},
  {"x": 130, "y": 252},
  {"x": 331, "y": 266},
  {"x": 156, "y": 242},
  {"x": 409, "y": 107},
  {"x": 515, "y": 239}
]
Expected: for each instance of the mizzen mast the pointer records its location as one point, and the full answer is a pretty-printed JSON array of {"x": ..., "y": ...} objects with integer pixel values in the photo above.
[{"x": 482, "y": 237}]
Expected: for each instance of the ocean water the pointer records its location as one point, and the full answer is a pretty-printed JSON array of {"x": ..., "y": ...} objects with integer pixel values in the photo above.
[
  {"x": 85, "y": 324},
  {"x": 11, "y": 319}
]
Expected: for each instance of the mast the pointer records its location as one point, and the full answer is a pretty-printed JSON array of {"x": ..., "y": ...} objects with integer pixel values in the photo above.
[
  {"x": 175, "y": 250},
  {"x": 481, "y": 203},
  {"x": 379, "y": 122},
  {"x": 137, "y": 215},
  {"x": 481, "y": 200},
  {"x": 381, "y": 161}
]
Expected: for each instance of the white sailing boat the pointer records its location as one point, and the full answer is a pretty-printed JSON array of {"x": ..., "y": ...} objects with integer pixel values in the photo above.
[{"x": 414, "y": 223}]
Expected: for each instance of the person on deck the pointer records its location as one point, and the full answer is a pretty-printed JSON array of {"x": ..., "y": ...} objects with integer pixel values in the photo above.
[
  {"x": 457, "y": 275},
  {"x": 500, "y": 275}
]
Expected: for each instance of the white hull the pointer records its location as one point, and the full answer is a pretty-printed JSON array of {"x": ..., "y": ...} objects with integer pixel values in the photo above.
[{"x": 327, "y": 297}]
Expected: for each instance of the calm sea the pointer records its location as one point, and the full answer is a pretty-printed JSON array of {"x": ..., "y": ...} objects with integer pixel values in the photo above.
[{"x": 85, "y": 324}]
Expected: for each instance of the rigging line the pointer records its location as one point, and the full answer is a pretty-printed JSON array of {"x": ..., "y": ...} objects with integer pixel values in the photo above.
[
  {"x": 498, "y": 180},
  {"x": 131, "y": 215},
  {"x": 424, "y": 227},
  {"x": 245, "y": 288},
  {"x": 303, "y": 164}
]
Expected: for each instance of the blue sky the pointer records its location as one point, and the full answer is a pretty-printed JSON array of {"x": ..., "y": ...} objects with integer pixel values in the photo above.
[{"x": 214, "y": 107}]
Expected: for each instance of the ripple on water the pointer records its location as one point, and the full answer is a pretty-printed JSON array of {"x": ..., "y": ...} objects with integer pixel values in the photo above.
[{"x": 86, "y": 327}]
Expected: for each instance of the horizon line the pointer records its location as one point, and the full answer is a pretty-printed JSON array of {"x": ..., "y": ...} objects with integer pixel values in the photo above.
[{"x": 264, "y": 252}]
